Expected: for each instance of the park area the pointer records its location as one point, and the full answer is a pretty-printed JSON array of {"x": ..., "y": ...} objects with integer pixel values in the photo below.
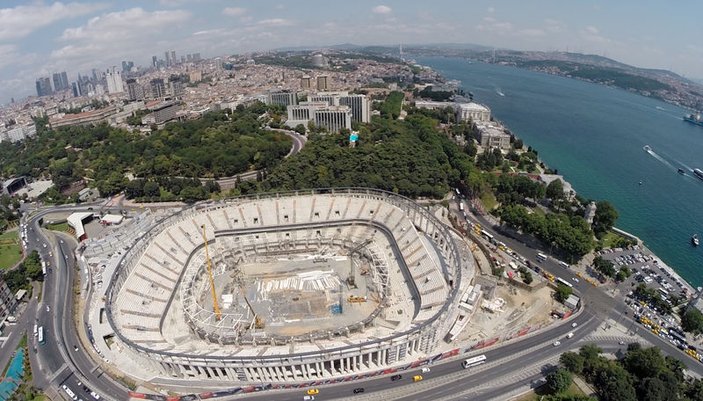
[{"x": 10, "y": 251}]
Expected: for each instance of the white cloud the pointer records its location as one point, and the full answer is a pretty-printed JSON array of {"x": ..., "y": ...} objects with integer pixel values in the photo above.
[
  {"x": 122, "y": 25},
  {"x": 531, "y": 32},
  {"x": 22, "y": 20},
  {"x": 492, "y": 25},
  {"x": 275, "y": 22},
  {"x": 591, "y": 30},
  {"x": 382, "y": 9},
  {"x": 234, "y": 11},
  {"x": 553, "y": 25},
  {"x": 491, "y": 10},
  {"x": 592, "y": 34}
]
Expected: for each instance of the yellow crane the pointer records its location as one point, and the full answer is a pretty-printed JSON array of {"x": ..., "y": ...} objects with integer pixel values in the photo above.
[{"x": 215, "y": 305}]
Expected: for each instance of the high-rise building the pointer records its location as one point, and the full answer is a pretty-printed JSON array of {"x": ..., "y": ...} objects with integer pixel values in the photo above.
[
  {"x": 323, "y": 82},
  {"x": 359, "y": 104},
  {"x": 127, "y": 66},
  {"x": 75, "y": 87},
  {"x": 60, "y": 81},
  {"x": 158, "y": 89},
  {"x": 175, "y": 86},
  {"x": 114, "y": 81},
  {"x": 174, "y": 60},
  {"x": 168, "y": 58},
  {"x": 154, "y": 62},
  {"x": 305, "y": 82},
  {"x": 44, "y": 86},
  {"x": 196, "y": 57},
  {"x": 282, "y": 98},
  {"x": 134, "y": 90},
  {"x": 333, "y": 118},
  {"x": 64, "y": 80}
]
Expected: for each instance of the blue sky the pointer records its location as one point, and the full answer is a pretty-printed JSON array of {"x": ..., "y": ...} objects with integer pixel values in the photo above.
[{"x": 41, "y": 37}]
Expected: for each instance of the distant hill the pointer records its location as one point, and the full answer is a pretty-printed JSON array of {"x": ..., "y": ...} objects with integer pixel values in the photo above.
[{"x": 661, "y": 84}]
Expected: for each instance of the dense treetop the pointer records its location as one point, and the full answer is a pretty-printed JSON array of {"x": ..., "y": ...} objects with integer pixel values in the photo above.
[
  {"x": 408, "y": 156},
  {"x": 213, "y": 146}
]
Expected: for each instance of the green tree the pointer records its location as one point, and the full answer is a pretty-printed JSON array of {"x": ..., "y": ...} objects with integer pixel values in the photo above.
[
  {"x": 555, "y": 190},
  {"x": 572, "y": 362},
  {"x": 300, "y": 128},
  {"x": 562, "y": 293},
  {"x": 605, "y": 267},
  {"x": 605, "y": 217},
  {"x": 151, "y": 189},
  {"x": 692, "y": 321},
  {"x": 558, "y": 381},
  {"x": 613, "y": 383}
]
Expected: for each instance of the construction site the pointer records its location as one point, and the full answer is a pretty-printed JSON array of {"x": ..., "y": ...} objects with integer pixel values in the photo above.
[{"x": 285, "y": 287}]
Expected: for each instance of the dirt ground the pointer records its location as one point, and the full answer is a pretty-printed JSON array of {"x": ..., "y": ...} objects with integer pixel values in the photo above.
[{"x": 522, "y": 309}]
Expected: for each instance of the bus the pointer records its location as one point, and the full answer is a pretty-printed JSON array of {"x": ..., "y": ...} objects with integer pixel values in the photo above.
[
  {"x": 486, "y": 234},
  {"x": 562, "y": 281},
  {"x": 563, "y": 264},
  {"x": 40, "y": 337},
  {"x": 664, "y": 292},
  {"x": 461, "y": 206},
  {"x": 475, "y": 361},
  {"x": 541, "y": 257}
]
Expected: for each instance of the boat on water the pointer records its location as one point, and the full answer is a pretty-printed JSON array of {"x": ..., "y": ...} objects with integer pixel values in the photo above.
[
  {"x": 647, "y": 148},
  {"x": 682, "y": 171},
  {"x": 694, "y": 119},
  {"x": 695, "y": 241},
  {"x": 698, "y": 173}
]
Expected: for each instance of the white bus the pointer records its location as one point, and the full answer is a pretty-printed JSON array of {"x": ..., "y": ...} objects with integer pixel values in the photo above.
[
  {"x": 461, "y": 206},
  {"x": 41, "y": 338},
  {"x": 564, "y": 264},
  {"x": 475, "y": 361},
  {"x": 566, "y": 283},
  {"x": 487, "y": 235},
  {"x": 541, "y": 257}
]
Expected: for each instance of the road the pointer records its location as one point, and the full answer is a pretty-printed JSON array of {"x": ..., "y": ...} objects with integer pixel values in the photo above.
[
  {"x": 58, "y": 360},
  {"x": 60, "y": 364}
]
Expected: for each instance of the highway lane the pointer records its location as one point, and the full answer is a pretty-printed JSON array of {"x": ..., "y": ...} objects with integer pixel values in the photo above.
[
  {"x": 59, "y": 361},
  {"x": 595, "y": 299},
  {"x": 586, "y": 324}
]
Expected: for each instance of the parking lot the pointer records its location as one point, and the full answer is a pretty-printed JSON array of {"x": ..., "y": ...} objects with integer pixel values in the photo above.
[{"x": 646, "y": 269}]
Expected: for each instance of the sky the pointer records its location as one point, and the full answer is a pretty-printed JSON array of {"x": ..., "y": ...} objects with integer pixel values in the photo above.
[{"x": 38, "y": 38}]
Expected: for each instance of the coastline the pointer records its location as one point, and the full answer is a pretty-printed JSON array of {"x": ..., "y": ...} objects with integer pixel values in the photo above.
[
  {"x": 664, "y": 266},
  {"x": 692, "y": 290}
]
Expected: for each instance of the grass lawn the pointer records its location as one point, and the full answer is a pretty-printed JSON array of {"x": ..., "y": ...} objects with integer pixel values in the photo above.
[
  {"x": 488, "y": 201},
  {"x": 10, "y": 252},
  {"x": 612, "y": 240},
  {"x": 536, "y": 394},
  {"x": 63, "y": 227}
]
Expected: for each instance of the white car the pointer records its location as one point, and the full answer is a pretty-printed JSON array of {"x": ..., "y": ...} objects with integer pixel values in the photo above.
[
  {"x": 574, "y": 324},
  {"x": 570, "y": 335},
  {"x": 557, "y": 343},
  {"x": 425, "y": 370}
]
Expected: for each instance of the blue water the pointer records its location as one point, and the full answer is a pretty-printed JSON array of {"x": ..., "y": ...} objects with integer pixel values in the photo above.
[
  {"x": 13, "y": 376},
  {"x": 594, "y": 136}
]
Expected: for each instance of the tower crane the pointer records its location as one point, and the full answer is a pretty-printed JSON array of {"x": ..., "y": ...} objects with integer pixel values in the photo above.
[{"x": 215, "y": 305}]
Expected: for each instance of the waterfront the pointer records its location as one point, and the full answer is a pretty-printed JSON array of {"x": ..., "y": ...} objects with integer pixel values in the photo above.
[{"x": 594, "y": 136}]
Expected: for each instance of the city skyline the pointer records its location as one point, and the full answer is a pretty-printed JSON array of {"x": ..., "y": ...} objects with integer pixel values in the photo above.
[{"x": 42, "y": 38}]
